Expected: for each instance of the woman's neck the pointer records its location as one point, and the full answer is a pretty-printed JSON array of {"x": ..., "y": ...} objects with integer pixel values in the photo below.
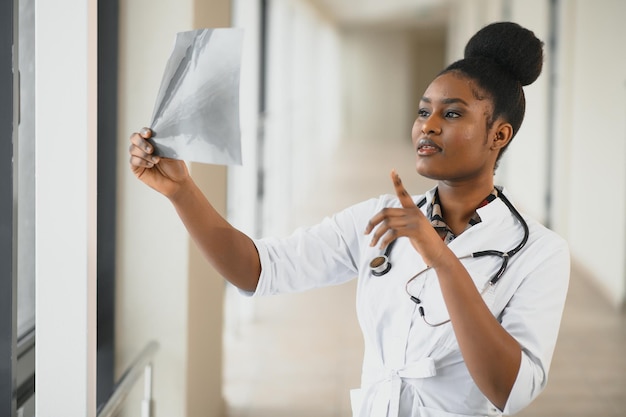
[{"x": 459, "y": 203}]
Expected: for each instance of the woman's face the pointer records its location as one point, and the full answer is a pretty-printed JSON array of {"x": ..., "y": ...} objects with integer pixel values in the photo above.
[{"x": 450, "y": 134}]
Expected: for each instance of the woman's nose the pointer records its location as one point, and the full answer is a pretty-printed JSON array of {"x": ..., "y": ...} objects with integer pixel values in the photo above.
[{"x": 430, "y": 126}]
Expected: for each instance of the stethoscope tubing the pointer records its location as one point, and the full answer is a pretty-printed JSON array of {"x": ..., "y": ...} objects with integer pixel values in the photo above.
[{"x": 383, "y": 265}]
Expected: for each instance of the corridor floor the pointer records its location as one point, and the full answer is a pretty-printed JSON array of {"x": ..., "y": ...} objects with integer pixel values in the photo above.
[{"x": 299, "y": 355}]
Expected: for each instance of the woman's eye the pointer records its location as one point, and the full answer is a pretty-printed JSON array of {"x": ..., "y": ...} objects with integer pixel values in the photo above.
[
  {"x": 452, "y": 115},
  {"x": 423, "y": 113}
]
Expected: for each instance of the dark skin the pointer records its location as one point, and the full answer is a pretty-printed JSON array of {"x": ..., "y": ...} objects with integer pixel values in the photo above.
[{"x": 456, "y": 147}]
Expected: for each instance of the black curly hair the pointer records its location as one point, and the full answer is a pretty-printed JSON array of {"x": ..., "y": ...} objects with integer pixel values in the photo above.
[{"x": 501, "y": 58}]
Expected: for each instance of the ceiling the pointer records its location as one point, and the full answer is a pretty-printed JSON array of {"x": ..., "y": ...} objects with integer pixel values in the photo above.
[{"x": 418, "y": 14}]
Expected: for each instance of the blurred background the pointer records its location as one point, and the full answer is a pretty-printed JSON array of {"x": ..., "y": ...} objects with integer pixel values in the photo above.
[{"x": 329, "y": 92}]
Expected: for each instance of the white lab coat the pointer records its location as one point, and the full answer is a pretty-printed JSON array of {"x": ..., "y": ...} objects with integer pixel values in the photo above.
[{"x": 409, "y": 368}]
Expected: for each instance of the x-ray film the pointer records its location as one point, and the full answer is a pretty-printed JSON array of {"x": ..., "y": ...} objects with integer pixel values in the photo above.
[{"x": 196, "y": 115}]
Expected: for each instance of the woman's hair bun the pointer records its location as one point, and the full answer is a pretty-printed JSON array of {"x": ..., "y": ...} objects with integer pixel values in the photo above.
[{"x": 514, "y": 48}]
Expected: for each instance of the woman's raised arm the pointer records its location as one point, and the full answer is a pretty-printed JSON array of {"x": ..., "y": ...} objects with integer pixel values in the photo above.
[{"x": 231, "y": 252}]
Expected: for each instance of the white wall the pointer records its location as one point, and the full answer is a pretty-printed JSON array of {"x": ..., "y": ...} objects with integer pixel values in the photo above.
[
  {"x": 427, "y": 59},
  {"x": 377, "y": 76},
  {"x": 596, "y": 132},
  {"x": 303, "y": 115},
  {"x": 165, "y": 291},
  {"x": 466, "y": 17},
  {"x": 242, "y": 180},
  {"x": 65, "y": 208}
]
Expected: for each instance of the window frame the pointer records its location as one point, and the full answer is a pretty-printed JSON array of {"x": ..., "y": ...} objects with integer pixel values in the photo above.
[{"x": 8, "y": 278}]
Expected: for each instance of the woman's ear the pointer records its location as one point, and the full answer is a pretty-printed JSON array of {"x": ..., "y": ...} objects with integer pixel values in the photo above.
[{"x": 502, "y": 135}]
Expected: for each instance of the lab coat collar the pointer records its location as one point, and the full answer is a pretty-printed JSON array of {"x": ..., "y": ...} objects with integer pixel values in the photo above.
[{"x": 491, "y": 211}]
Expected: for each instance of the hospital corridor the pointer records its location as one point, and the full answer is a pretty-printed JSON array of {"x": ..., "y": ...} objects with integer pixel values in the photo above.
[
  {"x": 112, "y": 305},
  {"x": 299, "y": 355}
]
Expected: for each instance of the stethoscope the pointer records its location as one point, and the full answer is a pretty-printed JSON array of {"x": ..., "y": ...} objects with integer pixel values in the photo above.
[{"x": 380, "y": 265}]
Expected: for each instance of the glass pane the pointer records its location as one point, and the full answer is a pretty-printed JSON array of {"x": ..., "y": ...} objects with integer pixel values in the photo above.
[{"x": 26, "y": 172}]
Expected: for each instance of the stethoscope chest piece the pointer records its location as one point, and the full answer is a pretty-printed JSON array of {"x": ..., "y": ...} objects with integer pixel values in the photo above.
[{"x": 380, "y": 265}]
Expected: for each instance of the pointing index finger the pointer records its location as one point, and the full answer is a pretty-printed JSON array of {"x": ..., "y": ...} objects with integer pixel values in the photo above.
[{"x": 401, "y": 192}]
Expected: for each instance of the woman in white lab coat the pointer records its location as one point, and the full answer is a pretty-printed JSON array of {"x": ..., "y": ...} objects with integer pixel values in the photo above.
[{"x": 446, "y": 333}]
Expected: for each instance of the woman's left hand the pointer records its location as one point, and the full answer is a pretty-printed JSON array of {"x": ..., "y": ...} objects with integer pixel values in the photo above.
[{"x": 409, "y": 221}]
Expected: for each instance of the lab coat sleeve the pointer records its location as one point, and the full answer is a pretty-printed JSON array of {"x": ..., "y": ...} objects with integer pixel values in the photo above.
[
  {"x": 321, "y": 255},
  {"x": 533, "y": 317}
]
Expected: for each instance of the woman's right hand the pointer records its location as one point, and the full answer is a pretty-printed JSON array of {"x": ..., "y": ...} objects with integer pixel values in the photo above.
[{"x": 165, "y": 175}]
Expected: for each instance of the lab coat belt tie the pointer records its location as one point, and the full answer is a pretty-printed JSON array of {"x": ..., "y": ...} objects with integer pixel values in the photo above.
[{"x": 386, "y": 392}]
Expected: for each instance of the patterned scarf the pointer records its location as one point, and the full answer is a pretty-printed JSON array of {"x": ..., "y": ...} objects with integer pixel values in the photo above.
[{"x": 434, "y": 213}]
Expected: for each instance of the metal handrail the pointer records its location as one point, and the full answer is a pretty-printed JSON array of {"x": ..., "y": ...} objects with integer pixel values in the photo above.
[{"x": 142, "y": 364}]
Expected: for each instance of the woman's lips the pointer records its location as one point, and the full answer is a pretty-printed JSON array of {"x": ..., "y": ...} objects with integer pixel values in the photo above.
[{"x": 427, "y": 147}]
